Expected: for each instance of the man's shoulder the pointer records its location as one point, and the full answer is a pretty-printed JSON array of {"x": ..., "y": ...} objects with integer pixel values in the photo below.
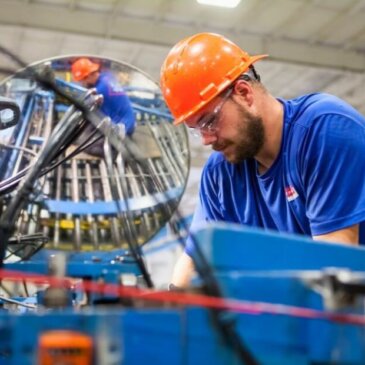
[
  {"x": 307, "y": 109},
  {"x": 317, "y": 102},
  {"x": 106, "y": 76},
  {"x": 325, "y": 103},
  {"x": 108, "y": 82}
]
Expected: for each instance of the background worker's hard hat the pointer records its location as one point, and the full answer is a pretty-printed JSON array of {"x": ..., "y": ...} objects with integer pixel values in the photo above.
[
  {"x": 82, "y": 68},
  {"x": 197, "y": 69}
]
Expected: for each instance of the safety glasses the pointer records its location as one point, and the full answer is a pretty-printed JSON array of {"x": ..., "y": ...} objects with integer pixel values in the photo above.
[{"x": 208, "y": 123}]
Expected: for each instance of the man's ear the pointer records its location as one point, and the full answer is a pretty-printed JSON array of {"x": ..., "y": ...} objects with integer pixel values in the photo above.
[{"x": 243, "y": 90}]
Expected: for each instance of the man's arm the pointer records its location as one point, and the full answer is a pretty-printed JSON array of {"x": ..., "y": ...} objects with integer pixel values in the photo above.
[
  {"x": 183, "y": 271},
  {"x": 207, "y": 209},
  {"x": 349, "y": 235},
  {"x": 333, "y": 177},
  {"x": 184, "y": 268}
]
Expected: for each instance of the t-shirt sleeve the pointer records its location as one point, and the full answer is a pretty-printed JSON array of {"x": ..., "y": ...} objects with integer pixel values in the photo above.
[{"x": 333, "y": 173}]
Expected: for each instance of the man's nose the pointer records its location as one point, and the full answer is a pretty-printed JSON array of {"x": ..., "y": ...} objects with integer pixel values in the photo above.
[{"x": 208, "y": 139}]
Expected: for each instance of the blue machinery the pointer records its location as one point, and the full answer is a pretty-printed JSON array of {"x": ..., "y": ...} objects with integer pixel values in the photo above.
[
  {"x": 259, "y": 267},
  {"x": 290, "y": 300}
]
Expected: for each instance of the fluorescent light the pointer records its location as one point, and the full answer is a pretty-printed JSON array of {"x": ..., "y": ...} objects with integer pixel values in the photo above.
[{"x": 221, "y": 3}]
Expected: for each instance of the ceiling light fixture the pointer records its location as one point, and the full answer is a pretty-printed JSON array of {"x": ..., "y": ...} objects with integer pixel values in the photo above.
[{"x": 221, "y": 3}]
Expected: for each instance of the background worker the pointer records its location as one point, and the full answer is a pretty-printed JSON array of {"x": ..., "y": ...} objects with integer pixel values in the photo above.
[
  {"x": 294, "y": 166},
  {"x": 116, "y": 103}
]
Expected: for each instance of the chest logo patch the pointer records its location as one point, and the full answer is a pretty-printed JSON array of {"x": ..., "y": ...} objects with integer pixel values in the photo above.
[{"x": 291, "y": 193}]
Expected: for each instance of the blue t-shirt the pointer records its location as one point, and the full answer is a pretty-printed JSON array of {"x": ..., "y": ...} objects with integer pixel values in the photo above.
[
  {"x": 116, "y": 104},
  {"x": 315, "y": 186}
]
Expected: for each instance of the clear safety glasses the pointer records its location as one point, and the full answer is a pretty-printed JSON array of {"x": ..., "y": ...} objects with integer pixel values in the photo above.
[{"x": 208, "y": 123}]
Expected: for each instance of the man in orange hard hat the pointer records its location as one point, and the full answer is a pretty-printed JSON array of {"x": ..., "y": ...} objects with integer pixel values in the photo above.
[
  {"x": 116, "y": 103},
  {"x": 294, "y": 166}
]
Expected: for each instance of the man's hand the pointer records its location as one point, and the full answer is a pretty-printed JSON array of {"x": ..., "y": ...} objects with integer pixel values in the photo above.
[{"x": 183, "y": 271}]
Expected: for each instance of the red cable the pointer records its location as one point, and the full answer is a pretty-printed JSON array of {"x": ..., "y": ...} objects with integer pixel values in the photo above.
[{"x": 239, "y": 306}]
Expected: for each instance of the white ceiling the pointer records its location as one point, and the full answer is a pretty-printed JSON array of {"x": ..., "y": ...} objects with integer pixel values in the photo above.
[{"x": 314, "y": 45}]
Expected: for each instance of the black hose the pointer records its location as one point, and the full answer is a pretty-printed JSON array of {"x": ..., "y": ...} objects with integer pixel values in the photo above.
[
  {"x": 211, "y": 287},
  {"x": 61, "y": 134}
]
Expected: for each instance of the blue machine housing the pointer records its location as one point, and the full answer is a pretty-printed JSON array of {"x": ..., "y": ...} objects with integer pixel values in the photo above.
[
  {"x": 263, "y": 266},
  {"x": 250, "y": 265}
]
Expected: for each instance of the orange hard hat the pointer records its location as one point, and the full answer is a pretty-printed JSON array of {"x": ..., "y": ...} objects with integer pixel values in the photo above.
[
  {"x": 197, "y": 69},
  {"x": 82, "y": 68}
]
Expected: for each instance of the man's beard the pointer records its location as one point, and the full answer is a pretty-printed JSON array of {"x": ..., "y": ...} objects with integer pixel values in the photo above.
[{"x": 250, "y": 137}]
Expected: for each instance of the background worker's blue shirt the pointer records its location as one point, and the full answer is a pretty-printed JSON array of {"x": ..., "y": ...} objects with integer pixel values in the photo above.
[
  {"x": 116, "y": 104},
  {"x": 315, "y": 186}
]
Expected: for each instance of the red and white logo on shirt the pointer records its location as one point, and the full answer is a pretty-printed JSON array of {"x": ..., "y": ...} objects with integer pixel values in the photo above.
[{"x": 291, "y": 193}]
